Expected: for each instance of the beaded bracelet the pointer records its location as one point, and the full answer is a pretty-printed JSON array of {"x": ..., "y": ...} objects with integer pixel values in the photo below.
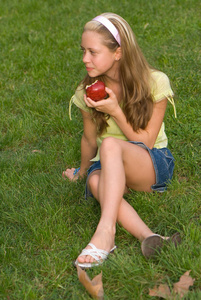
[{"x": 76, "y": 171}]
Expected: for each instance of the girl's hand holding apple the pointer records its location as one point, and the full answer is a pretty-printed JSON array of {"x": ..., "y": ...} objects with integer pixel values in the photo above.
[{"x": 107, "y": 106}]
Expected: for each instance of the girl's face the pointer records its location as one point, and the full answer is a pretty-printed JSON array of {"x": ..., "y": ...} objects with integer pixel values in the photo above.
[{"x": 97, "y": 58}]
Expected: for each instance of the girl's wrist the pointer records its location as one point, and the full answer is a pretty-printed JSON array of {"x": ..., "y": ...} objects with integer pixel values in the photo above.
[
  {"x": 117, "y": 113},
  {"x": 76, "y": 171}
]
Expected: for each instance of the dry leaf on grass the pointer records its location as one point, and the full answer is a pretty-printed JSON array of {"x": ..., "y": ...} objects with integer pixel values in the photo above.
[
  {"x": 162, "y": 291},
  {"x": 94, "y": 286},
  {"x": 181, "y": 288}
]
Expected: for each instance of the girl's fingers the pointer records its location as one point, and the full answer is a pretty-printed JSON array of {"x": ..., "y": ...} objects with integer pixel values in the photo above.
[
  {"x": 69, "y": 174},
  {"x": 109, "y": 92},
  {"x": 88, "y": 101}
]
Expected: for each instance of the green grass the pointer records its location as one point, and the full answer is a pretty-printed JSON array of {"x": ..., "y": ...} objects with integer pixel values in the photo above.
[{"x": 44, "y": 220}]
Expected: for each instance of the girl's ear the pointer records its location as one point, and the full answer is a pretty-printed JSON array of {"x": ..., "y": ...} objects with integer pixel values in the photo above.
[{"x": 118, "y": 54}]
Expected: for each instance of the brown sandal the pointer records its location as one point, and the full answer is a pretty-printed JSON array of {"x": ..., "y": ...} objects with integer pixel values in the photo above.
[
  {"x": 152, "y": 245},
  {"x": 175, "y": 239}
]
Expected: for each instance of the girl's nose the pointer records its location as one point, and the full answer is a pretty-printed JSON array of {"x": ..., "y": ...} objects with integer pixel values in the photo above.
[{"x": 85, "y": 58}]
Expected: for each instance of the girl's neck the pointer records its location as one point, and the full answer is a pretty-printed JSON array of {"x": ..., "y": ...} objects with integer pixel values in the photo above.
[
  {"x": 112, "y": 81},
  {"x": 115, "y": 86},
  {"x": 113, "y": 76}
]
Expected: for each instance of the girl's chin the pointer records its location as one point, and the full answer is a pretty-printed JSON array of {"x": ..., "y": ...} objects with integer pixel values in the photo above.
[{"x": 92, "y": 73}]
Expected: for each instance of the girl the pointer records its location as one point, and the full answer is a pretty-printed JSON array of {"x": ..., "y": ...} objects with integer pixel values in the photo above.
[{"x": 124, "y": 143}]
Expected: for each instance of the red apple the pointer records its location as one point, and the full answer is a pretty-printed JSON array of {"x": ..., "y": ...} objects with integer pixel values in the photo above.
[{"x": 96, "y": 91}]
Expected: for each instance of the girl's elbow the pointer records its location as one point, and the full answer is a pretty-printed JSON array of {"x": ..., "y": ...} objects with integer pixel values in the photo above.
[
  {"x": 90, "y": 141},
  {"x": 151, "y": 143}
]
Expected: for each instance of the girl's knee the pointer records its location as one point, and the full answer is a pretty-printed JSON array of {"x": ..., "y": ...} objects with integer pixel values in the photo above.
[{"x": 108, "y": 145}]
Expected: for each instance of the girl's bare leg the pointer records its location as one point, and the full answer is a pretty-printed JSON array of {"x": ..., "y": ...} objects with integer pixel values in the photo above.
[
  {"x": 127, "y": 216},
  {"x": 122, "y": 164}
]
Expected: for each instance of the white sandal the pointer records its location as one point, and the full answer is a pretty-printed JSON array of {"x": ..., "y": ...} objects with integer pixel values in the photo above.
[{"x": 98, "y": 254}]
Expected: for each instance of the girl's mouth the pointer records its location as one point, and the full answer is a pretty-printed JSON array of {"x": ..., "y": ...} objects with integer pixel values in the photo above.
[{"x": 89, "y": 69}]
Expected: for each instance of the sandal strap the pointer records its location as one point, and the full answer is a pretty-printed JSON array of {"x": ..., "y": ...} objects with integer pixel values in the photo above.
[
  {"x": 94, "y": 247},
  {"x": 95, "y": 252}
]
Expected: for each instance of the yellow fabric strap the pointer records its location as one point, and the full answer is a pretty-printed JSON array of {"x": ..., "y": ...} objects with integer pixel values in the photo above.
[
  {"x": 70, "y": 105},
  {"x": 171, "y": 100}
]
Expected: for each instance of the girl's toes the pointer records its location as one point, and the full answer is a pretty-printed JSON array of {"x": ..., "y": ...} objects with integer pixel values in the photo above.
[
  {"x": 81, "y": 259},
  {"x": 89, "y": 259}
]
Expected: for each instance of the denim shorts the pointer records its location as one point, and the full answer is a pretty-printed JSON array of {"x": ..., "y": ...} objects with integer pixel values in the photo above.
[{"x": 163, "y": 163}]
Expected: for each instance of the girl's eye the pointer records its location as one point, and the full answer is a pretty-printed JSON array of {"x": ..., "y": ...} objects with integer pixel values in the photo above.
[
  {"x": 91, "y": 51},
  {"x": 83, "y": 50}
]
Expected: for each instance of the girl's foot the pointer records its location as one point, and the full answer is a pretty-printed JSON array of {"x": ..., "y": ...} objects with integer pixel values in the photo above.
[
  {"x": 98, "y": 255},
  {"x": 101, "y": 244}
]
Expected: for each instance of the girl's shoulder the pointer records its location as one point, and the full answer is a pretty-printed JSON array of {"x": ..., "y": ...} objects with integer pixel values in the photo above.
[
  {"x": 159, "y": 76},
  {"x": 78, "y": 98},
  {"x": 79, "y": 92},
  {"x": 160, "y": 85}
]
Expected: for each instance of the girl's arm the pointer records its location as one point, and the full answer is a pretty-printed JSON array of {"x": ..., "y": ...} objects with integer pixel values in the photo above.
[
  {"x": 88, "y": 148},
  {"x": 88, "y": 142},
  {"x": 149, "y": 134}
]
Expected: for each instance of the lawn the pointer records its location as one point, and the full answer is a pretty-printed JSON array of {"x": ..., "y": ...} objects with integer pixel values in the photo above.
[{"x": 45, "y": 221}]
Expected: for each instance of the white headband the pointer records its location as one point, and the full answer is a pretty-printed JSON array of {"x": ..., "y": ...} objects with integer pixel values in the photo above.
[{"x": 112, "y": 29}]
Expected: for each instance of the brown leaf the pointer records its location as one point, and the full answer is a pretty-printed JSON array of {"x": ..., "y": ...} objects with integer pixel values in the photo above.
[
  {"x": 162, "y": 291},
  {"x": 182, "y": 286},
  {"x": 94, "y": 286}
]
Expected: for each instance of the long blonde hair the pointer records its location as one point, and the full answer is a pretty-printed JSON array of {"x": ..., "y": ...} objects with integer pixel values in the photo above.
[{"x": 137, "y": 102}]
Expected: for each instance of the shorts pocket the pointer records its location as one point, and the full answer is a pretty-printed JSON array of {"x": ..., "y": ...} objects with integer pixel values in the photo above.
[{"x": 169, "y": 160}]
